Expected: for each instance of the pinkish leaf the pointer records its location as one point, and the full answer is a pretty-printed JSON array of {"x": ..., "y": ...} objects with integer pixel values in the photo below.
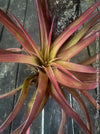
[
  {"x": 32, "y": 43},
  {"x": 19, "y": 58},
  {"x": 63, "y": 122},
  {"x": 15, "y": 49},
  {"x": 90, "y": 99},
  {"x": 13, "y": 92},
  {"x": 56, "y": 94},
  {"x": 82, "y": 32},
  {"x": 42, "y": 24},
  {"x": 30, "y": 105},
  {"x": 86, "y": 77},
  {"x": 3, "y": 51},
  {"x": 71, "y": 29},
  {"x": 83, "y": 107},
  {"x": 72, "y": 51},
  {"x": 62, "y": 68},
  {"x": 19, "y": 103},
  {"x": 90, "y": 60},
  {"x": 76, "y": 67},
  {"x": 65, "y": 80},
  {"x": 47, "y": 51},
  {"x": 16, "y": 31},
  {"x": 41, "y": 90}
]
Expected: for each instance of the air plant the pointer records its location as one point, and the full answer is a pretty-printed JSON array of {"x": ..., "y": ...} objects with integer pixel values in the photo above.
[{"x": 53, "y": 69}]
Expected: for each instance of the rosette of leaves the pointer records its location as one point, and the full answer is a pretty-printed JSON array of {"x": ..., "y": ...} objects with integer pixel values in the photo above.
[{"x": 53, "y": 70}]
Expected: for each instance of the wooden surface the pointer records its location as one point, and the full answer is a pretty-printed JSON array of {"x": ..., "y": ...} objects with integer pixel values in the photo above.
[{"x": 12, "y": 75}]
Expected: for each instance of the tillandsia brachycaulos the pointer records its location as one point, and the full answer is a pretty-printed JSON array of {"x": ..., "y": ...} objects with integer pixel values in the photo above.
[{"x": 53, "y": 68}]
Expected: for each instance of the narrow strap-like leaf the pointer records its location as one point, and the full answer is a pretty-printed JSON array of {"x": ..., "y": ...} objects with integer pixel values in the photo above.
[
  {"x": 62, "y": 68},
  {"x": 32, "y": 43},
  {"x": 41, "y": 90},
  {"x": 70, "y": 82},
  {"x": 11, "y": 93},
  {"x": 82, "y": 32},
  {"x": 72, "y": 51},
  {"x": 90, "y": 99},
  {"x": 30, "y": 105},
  {"x": 63, "y": 122},
  {"x": 86, "y": 77},
  {"x": 42, "y": 23},
  {"x": 58, "y": 96},
  {"x": 76, "y": 67},
  {"x": 90, "y": 60},
  {"x": 83, "y": 107},
  {"x": 71, "y": 29},
  {"x": 16, "y": 31},
  {"x": 19, "y": 103},
  {"x": 19, "y": 58},
  {"x": 3, "y": 51},
  {"x": 68, "y": 110}
]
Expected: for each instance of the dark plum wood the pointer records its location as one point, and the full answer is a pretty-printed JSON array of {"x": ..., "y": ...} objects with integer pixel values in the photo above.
[{"x": 12, "y": 75}]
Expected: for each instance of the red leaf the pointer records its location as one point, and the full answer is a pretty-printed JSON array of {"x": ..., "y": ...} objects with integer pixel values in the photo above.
[
  {"x": 32, "y": 43},
  {"x": 71, "y": 29},
  {"x": 76, "y": 67},
  {"x": 19, "y": 103},
  {"x": 16, "y": 31},
  {"x": 19, "y": 58},
  {"x": 90, "y": 60},
  {"x": 11, "y": 92},
  {"x": 70, "y": 82},
  {"x": 66, "y": 107},
  {"x": 82, "y": 32},
  {"x": 80, "y": 101},
  {"x": 90, "y": 99},
  {"x": 72, "y": 51},
  {"x": 43, "y": 27},
  {"x": 41, "y": 90},
  {"x": 63, "y": 122}
]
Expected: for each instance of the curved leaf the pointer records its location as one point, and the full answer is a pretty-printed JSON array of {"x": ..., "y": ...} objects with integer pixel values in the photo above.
[
  {"x": 90, "y": 60},
  {"x": 70, "y": 82},
  {"x": 71, "y": 29},
  {"x": 80, "y": 101},
  {"x": 68, "y": 110},
  {"x": 13, "y": 92},
  {"x": 16, "y": 31},
  {"x": 72, "y": 51},
  {"x": 19, "y": 58},
  {"x": 19, "y": 103},
  {"x": 76, "y": 67},
  {"x": 32, "y": 43},
  {"x": 41, "y": 90},
  {"x": 58, "y": 96},
  {"x": 63, "y": 122}
]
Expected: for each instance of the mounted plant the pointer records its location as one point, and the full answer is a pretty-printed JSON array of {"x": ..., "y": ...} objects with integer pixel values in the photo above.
[{"x": 53, "y": 70}]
